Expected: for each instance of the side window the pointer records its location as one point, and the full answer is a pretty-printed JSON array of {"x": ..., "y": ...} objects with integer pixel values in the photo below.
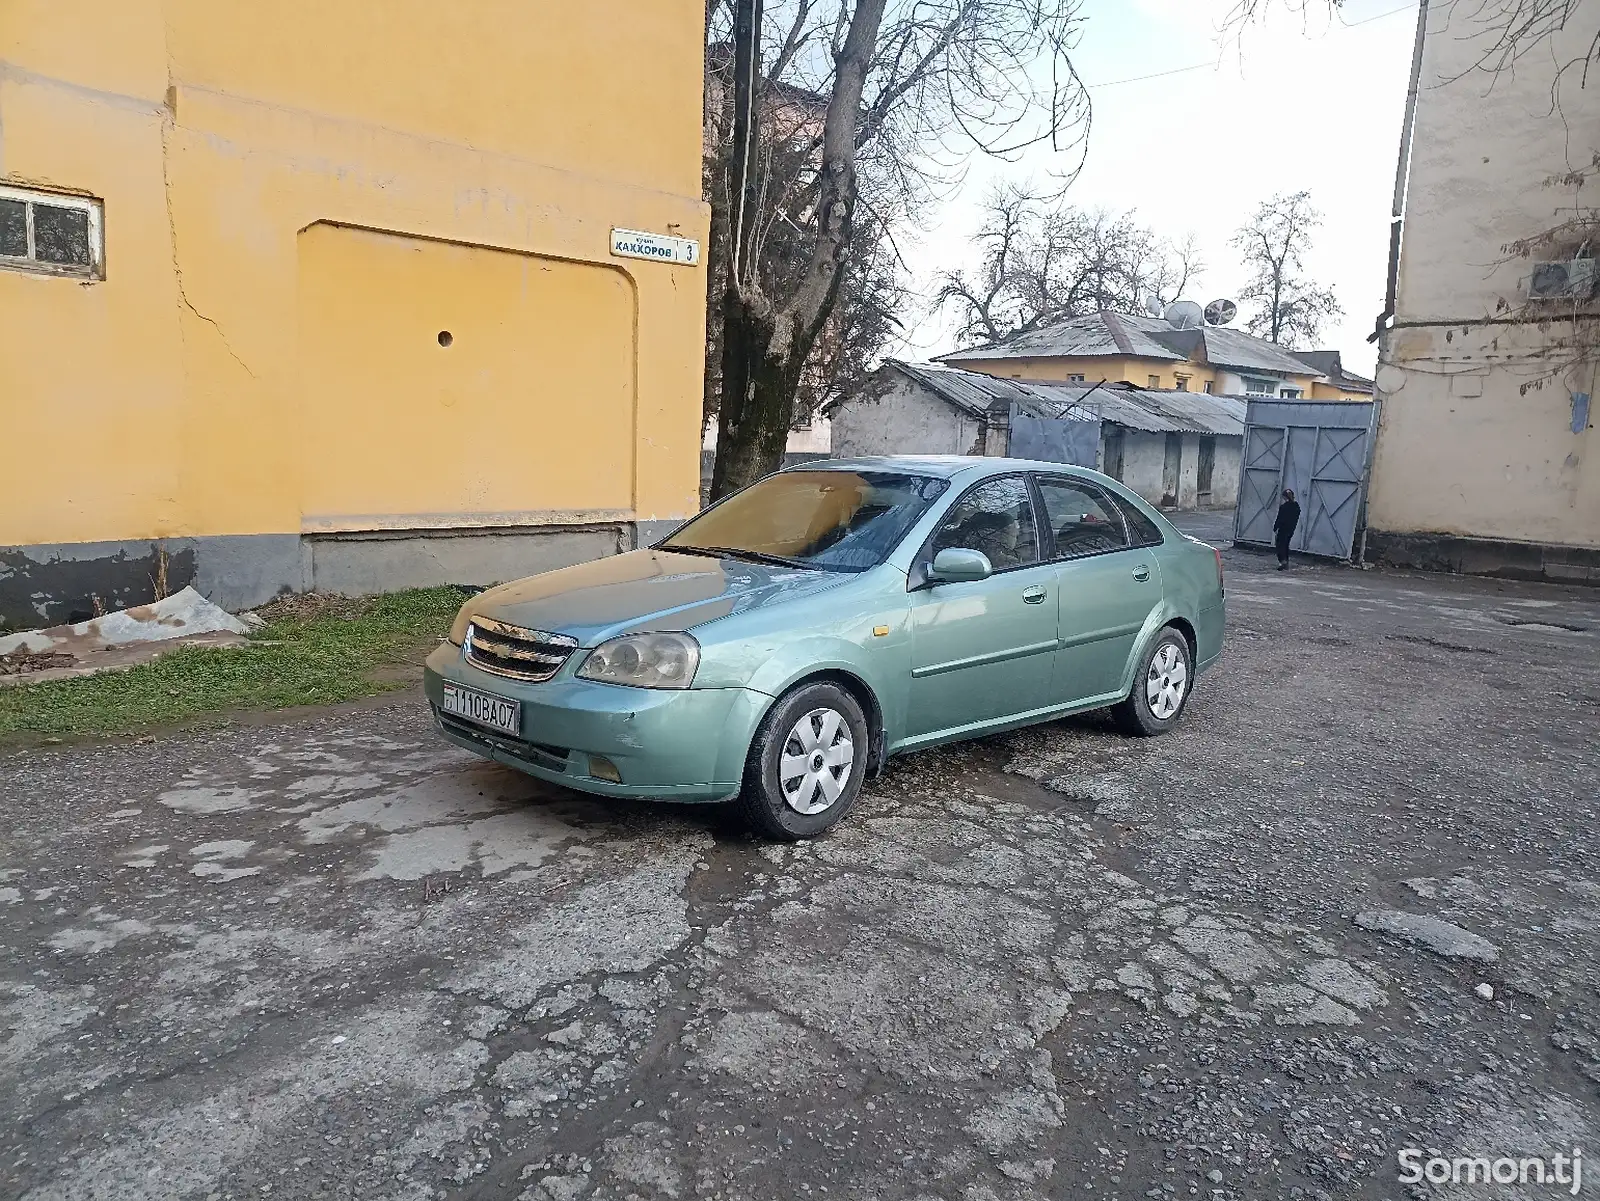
[
  {"x": 51, "y": 234},
  {"x": 1084, "y": 519},
  {"x": 995, "y": 518},
  {"x": 1144, "y": 531}
]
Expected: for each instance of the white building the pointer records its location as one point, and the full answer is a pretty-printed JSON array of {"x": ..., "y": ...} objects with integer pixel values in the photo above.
[
  {"x": 1175, "y": 449},
  {"x": 1487, "y": 459}
]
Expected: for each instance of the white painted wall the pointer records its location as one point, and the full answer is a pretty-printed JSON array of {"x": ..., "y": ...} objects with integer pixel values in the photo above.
[
  {"x": 817, "y": 440},
  {"x": 1225, "y": 473},
  {"x": 1144, "y": 461},
  {"x": 906, "y": 420},
  {"x": 1189, "y": 472},
  {"x": 1144, "y": 456},
  {"x": 1230, "y": 383},
  {"x": 1465, "y": 445}
]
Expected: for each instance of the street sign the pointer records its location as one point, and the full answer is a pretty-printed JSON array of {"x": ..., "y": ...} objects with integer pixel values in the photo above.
[{"x": 636, "y": 244}]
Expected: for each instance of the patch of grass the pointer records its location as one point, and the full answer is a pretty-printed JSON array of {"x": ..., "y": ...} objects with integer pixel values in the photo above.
[{"x": 312, "y": 651}]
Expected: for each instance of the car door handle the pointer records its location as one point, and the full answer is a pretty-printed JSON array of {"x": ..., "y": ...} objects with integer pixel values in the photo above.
[
  {"x": 1034, "y": 595},
  {"x": 1141, "y": 573}
]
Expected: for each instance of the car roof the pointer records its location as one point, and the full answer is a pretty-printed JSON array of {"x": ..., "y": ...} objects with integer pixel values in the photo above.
[{"x": 942, "y": 466}]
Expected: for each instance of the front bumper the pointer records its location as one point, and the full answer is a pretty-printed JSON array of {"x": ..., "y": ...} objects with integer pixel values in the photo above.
[{"x": 686, "y": 745}]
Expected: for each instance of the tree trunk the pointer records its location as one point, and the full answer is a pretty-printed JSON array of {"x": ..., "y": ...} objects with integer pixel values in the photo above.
[
  {"x": 759, "y": 380},
  {"x": 764, "y": 350}
]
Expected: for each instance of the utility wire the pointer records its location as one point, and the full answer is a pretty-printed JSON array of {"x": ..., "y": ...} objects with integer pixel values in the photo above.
[{"x": 1113, "y": 83}]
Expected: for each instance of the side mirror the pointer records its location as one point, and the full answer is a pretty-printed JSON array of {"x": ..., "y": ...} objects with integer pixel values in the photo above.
[{"x": 956, "y": 565}]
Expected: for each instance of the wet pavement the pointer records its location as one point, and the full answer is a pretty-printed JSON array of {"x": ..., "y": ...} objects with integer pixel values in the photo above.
[{"x": 1351, "y": 906}]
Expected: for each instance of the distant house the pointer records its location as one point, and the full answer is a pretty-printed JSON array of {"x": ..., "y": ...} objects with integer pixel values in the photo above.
[
  {"x": 1176, "y": 449},
  {"x": 1337, "y": 383},
  {"x": 1147, "y": 351}
]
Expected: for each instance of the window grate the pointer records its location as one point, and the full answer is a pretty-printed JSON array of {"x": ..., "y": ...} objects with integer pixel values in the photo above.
[{"x": 51, "y": 234}]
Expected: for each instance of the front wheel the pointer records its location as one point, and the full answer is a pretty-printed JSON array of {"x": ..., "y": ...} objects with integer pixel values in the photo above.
[
  {"x": 1160, "y": 688},
  {"x": 806, "y": 763}
]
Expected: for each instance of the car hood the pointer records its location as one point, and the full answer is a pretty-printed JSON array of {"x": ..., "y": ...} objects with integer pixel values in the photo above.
[{"x": 645, "y": 590}]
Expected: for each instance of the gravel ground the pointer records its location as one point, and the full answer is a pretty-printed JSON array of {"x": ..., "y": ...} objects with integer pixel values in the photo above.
[{"x": 1352, "y": 906}]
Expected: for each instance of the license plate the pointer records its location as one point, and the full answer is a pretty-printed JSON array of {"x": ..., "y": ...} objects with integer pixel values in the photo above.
[{"x": 495, "y": 712}]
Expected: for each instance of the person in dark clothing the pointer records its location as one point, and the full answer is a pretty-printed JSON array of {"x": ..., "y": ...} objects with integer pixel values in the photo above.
[{"x": 1284, "y": 527}]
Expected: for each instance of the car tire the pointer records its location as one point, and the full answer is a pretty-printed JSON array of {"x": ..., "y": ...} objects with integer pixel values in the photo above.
[
  {"x": 806, "y": 763},
  {"x": 1161, "y": 687}
]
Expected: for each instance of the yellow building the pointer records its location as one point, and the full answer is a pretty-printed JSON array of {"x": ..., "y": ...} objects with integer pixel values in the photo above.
[
  {"x": 1147, "y": 351},
  {"x": 343, "y": 297}
]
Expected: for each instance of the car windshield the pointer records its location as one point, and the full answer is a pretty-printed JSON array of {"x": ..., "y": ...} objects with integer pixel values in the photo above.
[{"x": 830, "y": 520}]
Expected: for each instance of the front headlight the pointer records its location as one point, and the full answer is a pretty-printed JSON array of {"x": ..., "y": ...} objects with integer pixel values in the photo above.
[
  {"x": 458, "y": 629},
  {"x": 644, "y": 661}
]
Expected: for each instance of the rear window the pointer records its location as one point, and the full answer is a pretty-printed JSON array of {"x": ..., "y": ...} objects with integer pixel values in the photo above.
[{"x": 1141, "y": 529}]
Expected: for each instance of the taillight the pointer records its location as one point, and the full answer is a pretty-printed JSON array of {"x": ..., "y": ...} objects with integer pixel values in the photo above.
[{"x": 1218, "y": 554}]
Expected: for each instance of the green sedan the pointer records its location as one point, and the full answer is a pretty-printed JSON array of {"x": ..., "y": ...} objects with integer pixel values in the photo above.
[{"x": 791, "y": 638}]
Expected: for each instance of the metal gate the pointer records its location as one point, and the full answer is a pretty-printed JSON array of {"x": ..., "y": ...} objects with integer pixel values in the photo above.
[
  {"x": 1054, "y": 439},
  {"x": 1321, "y": 450}
]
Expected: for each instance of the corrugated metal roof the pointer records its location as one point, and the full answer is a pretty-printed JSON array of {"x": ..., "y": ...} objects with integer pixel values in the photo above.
[
  {"x": 1098, "y": 334},
  {"x": 980, "y": 395},
  {"x": 1113, "y": 335},
  {"x": 1164, "y": 411},
  {"x": 1235, "y": 348},
  {"x": 1149, "y": 409}
]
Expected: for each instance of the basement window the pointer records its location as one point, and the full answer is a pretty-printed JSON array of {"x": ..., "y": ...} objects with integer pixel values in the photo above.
[{"x": 51, "y": 234}]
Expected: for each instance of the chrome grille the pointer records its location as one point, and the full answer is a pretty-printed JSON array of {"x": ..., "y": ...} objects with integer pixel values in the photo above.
[{"x": 515, "y": 652}]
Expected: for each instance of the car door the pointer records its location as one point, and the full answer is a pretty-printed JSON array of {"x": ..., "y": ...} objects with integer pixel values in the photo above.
[
  {"x": 982, "y": 650},
  {"x": 1105, "y": 588}
]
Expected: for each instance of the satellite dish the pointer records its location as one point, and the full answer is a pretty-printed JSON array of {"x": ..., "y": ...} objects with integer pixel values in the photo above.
[
  {"x": 1153, "y": 305},
  {"x": 1221, "y": 312},
  {"x": 1184, "y": 314}
]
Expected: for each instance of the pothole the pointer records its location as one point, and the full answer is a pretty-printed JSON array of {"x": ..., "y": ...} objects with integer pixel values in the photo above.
[
  {"x": 1441, "y": 644},
  {"x": 1548, "y": 627}
]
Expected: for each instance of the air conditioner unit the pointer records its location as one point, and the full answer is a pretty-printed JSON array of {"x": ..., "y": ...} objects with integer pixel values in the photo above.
[{"x": 1572, "y": 279}]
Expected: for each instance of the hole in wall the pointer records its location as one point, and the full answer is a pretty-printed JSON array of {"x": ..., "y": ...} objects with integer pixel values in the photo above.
[{"x": 446, "y": 337}]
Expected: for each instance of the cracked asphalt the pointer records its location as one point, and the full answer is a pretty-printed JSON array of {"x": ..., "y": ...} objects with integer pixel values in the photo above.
[{"x": 1351, "y": 906}]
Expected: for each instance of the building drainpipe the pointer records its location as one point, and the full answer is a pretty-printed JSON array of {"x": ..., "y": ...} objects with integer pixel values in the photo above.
[
  {"x": 1397, "y": 212},
  {"x": 1402, "y": 172}
]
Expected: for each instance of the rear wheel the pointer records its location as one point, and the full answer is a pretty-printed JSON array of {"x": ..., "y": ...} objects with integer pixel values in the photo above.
[
  {"x": 1160, "y": 687},
  {"x": 806, "y": 763}
]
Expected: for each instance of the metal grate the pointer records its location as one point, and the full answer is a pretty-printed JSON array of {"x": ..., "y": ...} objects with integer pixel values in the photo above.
[{"x": 507, "y": 650}]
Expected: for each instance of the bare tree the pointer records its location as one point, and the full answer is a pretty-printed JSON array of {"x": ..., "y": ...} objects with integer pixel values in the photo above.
[
  {"x": 871, "y": 292},
  {"x": 1511, "y": 28},
  {"x": 900, "y": 86},
  {"x": 1044, "y": 261},
  {"x": 1273, "y": 244}
]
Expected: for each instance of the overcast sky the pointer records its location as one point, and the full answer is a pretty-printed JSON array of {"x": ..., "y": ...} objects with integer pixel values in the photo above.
[{"x": 1310, "y": 103}]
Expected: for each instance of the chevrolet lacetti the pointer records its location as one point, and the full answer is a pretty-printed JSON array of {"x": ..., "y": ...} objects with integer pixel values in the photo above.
[{"x": 791, "y": 638}]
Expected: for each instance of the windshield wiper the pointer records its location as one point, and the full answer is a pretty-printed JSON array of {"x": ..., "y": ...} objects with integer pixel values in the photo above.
[{"x": 753, "y": 556}]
